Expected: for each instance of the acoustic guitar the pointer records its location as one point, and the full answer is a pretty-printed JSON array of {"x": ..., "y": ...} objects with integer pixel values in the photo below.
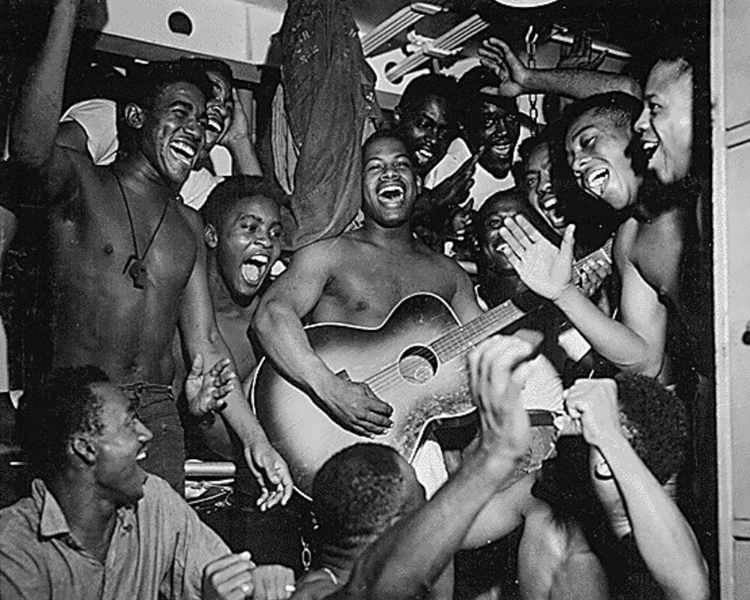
[{"x": 415, "y": 361}]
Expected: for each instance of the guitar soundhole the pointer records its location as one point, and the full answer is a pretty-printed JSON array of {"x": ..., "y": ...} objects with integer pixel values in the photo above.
[{"x": 418, "y": 365}]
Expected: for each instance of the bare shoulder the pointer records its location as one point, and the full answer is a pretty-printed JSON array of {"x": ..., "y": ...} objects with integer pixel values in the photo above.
[
  {"x": 191, "y": 216},
  {"x": 624, "y": 245},
  {"x": 323, "y": 253}
]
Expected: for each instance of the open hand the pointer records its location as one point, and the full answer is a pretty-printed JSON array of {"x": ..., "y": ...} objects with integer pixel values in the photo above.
[
  {"x": 543, "y": 267},
  {"x": 271, "y": 472},
  {"x": 205, "y": 390},
  {"x": 239, "y": 127},
  {"x": 497, "y": 56},
  {"x": 580, "y": 55}
]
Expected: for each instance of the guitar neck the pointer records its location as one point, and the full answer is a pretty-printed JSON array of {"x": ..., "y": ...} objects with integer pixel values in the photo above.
[{"x": 464, "y": 337}]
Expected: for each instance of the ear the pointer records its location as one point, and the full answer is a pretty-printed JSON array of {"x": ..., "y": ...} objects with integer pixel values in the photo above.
[
  {"x": 418, "y": 180},
  {"x": 134, "y": 116},
  {"x": 210, "y": 236},
  {"x": 82, "y": 447}
]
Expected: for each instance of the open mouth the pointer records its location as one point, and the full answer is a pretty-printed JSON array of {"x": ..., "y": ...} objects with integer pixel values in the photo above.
[
  {"x": 183, "y": 152},
  {"x": 501, "y": 150},
  {"x": 215, "y": 124},
  {"x": 550, "y": 206},
  {"x": 254, "y": 268},
  {"x": 596, "y": 180},
  {"x": 391, "y": 194},
  {"x": 424, "y": 155},
  {"x": 649, "y": 148},
  {"x": 141, "y": 455}
]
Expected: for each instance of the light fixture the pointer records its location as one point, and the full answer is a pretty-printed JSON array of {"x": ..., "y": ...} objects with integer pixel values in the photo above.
[{"x": 525, "y": 3}]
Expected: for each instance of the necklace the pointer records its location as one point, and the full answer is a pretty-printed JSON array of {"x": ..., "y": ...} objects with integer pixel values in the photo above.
[{"x": 134, "y": 266}]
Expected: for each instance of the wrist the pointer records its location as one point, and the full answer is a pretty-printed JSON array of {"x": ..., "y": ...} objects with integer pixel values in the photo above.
[{"x": 565, "y": 295}]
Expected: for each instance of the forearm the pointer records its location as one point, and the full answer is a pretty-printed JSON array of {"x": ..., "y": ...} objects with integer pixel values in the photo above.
[
  {"x": 237, "y": 413},
  {"x": 244, "y": 159},
  {"x": 408, "y": 558},
  {"x": 283, "y": 338},
  {"x": 577, "y": 83},
  {"x": 663, "y": 536},
  {"x": 615, "y": 341},
  {"x": 38, "y": 107}
]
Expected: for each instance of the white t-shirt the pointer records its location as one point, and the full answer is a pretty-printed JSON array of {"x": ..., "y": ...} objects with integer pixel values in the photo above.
[
  {"x": 98, "y": 118},
  {"x": 485, "y": 184}
]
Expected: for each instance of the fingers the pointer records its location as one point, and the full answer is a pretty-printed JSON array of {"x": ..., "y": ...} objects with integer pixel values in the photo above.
[
  {"x": 196, "y": 369},
  {"x": 568, "y": 242},
  {"x": 229, "y": 577},
  {"x": 273, "y": 582}
]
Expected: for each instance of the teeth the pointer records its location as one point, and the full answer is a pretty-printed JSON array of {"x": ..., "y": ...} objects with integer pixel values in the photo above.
[
  {"x": 185, "y": 151},
  {"x": 424, "y": 154},
  {"x": 649, "y": 148},
  {"x": 549, "y": 203},
  {"x": 596, "y": 180},
  {"x": 253, "y": 268},
  {"x": 141, "y": 455},
  {"x": 215, "y": 124}
]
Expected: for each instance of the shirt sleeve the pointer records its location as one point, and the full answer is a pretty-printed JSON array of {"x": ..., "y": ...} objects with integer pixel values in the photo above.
[
  {"x": 98, "y": 118},
  {"x": 22, "y": 575},
  {"x": 193, "y": 542}
]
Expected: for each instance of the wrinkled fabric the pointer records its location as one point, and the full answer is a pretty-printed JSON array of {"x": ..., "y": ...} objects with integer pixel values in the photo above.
[
  {"x": 329, "y": 104},
  {"x": 159, "y": 549}
]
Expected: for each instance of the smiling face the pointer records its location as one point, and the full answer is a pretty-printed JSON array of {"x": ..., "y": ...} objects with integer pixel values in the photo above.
[
  {"x": 219, "y": 109},
  {"x": 247, "y": 244},
  {"x": 389, "y": 184},
  {"x": 539, "y": 189},
  {"x": 120, "y": 444},
  {"x": 428, "y": 130},
  {"x": 666, "y": 123},
  {"x": 173, "y": 131},
  {"x": 497, "y": 130},
  {"x": 596, "y": 148}
]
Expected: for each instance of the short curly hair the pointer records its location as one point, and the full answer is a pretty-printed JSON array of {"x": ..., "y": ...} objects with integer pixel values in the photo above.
[
  {"x": 431, "y": 85},
  {"x": 356, "y": 494},
  {"x": 230, "y": 191},
  {"x": 60, "y": 405},
  {"x": 657, "y": 422}
]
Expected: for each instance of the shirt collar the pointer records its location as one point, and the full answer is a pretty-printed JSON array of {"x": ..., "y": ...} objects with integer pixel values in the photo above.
[{"x": 52, "y": 522}]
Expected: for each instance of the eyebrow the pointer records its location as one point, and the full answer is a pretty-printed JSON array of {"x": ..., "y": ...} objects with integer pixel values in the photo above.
[{"x": 581, "y": 130}]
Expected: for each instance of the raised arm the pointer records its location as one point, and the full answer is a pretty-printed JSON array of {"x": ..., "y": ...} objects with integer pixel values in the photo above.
[
  {"x": 406, "y": 561},
  {"x": 278, "y": 325},
  {"x": 201, "y": 336},
  {"x": 517, "y": 79},
  {"x": 39, "y": 104},
  {"x": 239, "y": 141},
  {"x": 637, "y": 343},
  {"x": 664, "y": 538}
]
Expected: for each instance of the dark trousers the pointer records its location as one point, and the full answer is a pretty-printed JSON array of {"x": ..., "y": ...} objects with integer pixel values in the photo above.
[{"x": 158, "y": 411}]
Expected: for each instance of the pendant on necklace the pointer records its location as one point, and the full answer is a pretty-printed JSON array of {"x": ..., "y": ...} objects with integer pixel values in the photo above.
[{"x": 137, "y": 271}]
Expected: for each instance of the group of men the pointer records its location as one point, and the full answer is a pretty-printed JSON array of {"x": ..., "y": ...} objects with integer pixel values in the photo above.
[{"x": 131, "y": 266}]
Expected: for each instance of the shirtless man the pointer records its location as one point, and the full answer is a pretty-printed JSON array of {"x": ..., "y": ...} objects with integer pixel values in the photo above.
[
  {"x": 357, "y": 279},
  {"x": 127, "y": 261},
  {"x": 647, "y": 249}
]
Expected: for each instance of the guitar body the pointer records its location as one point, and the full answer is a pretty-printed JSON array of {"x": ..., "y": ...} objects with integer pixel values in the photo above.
[{"x": 397, "y": 362}]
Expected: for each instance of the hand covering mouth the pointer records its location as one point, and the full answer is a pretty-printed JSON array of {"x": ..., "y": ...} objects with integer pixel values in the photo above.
[{"x": 254, "y": 268}]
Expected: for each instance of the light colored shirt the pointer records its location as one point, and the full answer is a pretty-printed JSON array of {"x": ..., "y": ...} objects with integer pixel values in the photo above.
[
  {"x": 98, "y": 118},
  {"x": 158, "y": 546},
  {"x": 485, "y": 184}
]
